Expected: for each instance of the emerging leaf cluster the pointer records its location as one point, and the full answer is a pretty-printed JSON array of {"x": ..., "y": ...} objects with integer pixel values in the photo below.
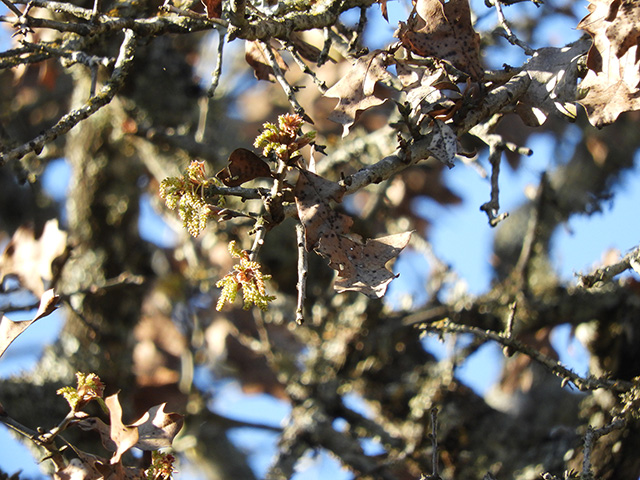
[
  {"x": 187, "y": 193},
  {"x": 247, "y": 276},
  {"x": 161, "y": 467},
  {"x": 90, "y": 387},
  {"x": 284, "y": 139}
]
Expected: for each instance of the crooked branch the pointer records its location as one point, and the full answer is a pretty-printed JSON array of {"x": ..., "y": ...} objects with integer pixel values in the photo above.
[
  {"x": 630, "y": 261},
  {"x": 555, "y": 367},
  {"x": 95, "y": 103}
]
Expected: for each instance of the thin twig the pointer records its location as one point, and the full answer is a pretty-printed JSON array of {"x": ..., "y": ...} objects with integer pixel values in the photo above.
[
  {"x": 12, "y": 7},
  {"x": 72, "y": 57},
  {"x": 215, "y": 78},
  {"x": 324, "y": 53},
  {"x": 522, "y": 266},
  {"x": 322, "y": 86},
  {"x": 630, "y": 261},
  {"x": 354, "y": 44},
  {"x": 492, "y": 207},
  {"x": 434, "y": 443},
  {"x": 592, "y": 436},
  {"x": 260, "y": 231},
  {"x": 303, "y": 271},
  {"x": 513, "y": 39},
  {"x": 555, "y": 367},
  {"x": 286, "y": 87}
]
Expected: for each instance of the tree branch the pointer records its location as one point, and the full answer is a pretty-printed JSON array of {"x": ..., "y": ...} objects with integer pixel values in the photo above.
[{"x": 71, "y": 119}]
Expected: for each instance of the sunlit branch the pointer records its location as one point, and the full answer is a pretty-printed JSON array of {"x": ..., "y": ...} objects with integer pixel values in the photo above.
[
  {"x": 282, "y": 26},
  {"x": 215, "y": 79},
  {"x": 604, "y": 274},
  {"x": 303, "y": 271},
  {"x": 71, "y": 57},
  {"x": 101, "y": 23},
  {"x": 324, "y": 53}
]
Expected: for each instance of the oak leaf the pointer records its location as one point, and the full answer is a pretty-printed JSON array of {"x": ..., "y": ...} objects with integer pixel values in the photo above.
[
  {"x": 359, "y": 89},
  {"x": 123, "y": 437},
  {"x": 614, "y": 72},
  {"x": 360, "y": 266},
  {"x": 155, "y": 429},
  {"x": 554, "y": 78},
  {"x": 444, "y": 143},
  {"x": 244, "y": 165},
  {"x": 443, "y": 31},
  {"x": 9, "y": 330},
  {"x": 30, "y": 258},
  {"x": 429, "y": 92}
]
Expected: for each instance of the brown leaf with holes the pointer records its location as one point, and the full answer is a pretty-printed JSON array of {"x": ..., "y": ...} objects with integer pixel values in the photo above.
[
  {"x": 361, "y": 266},
  {"x": 359, "y": 89},
  {"x": 614, "y": 69},
  {"x": 30, "y": 258},
  {"x": 443, "y": 31},
  {"x": 244, "y": 165},
  {"x": 9, "y": 330},
  {"x": 123, "y": 436},
  {"x": 256, "y": 58}
]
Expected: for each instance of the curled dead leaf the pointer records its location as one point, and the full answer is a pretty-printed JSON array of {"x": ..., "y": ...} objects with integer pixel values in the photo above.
[
  {"x": 243, "y": 165},
  {"x": 9, "y": 329}
]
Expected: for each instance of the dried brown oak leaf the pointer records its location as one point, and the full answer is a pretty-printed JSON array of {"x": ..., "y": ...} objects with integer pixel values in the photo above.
[
  {"x": 614, "y": 70},
  {"x": 256, "y": 58},
  {"x": 155, "y": 429},
  {"x": 360, "y": 266},
  {"x": 30, "y": 258},
  {"x": 357, "y": 91},
  {"x": 443, "y": 31},
  {"x": 123, "y": 436},
  {"x": 554, "y": 77},
  {"x": 244, "y": 165},
  {"x": 9, "y": 330}
]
